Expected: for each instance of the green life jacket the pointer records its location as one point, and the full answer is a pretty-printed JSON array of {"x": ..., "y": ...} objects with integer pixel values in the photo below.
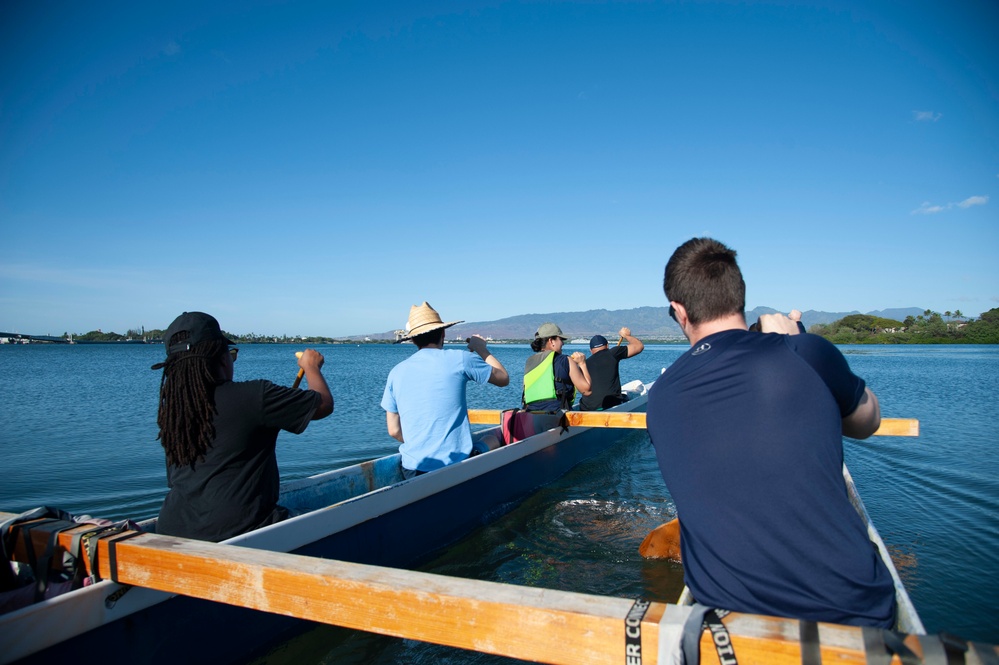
[{"x": 540, "y": 382}]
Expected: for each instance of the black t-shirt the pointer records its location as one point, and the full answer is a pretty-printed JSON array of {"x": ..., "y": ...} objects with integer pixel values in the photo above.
[
  {"x": 605, "y": 381},
  {"x": 235, "y": 489}
]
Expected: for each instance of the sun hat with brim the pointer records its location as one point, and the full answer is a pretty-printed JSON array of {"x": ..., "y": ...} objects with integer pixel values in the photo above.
[
  {"x": 200, "y": 327},
  {"x": 549, "y": 330},
  {"x": 423, "y": 319}
]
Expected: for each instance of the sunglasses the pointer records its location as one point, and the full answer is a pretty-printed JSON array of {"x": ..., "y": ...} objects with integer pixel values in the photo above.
[
  {"x": 672, "y": 313},
  {"x": 234, "y": 352}
]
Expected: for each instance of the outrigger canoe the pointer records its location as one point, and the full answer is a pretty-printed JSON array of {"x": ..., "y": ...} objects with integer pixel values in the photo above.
[{"x": 364, "y": 513}]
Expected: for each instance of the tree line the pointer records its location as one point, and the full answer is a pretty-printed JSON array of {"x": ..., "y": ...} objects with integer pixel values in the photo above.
[
  {"x": 927, "y": 328},
  {"x": 156, "y": 335}
]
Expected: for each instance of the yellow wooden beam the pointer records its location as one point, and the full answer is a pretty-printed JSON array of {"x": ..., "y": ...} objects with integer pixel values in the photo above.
[
  {"x": 889, "y": 426},
  {"x": 540, "y": 625}
]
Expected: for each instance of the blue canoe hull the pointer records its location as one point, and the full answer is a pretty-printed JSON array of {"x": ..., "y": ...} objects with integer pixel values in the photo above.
[{"x": 385, "y": 527}]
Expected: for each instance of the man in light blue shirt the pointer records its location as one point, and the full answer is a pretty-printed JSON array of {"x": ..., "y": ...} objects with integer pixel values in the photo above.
[{"x": 424, "y": 399}]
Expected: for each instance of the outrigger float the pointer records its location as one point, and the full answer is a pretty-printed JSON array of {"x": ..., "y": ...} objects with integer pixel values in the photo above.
[{"x": 358, "y": 526}]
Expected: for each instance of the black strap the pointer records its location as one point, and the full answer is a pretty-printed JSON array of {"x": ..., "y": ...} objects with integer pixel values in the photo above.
[
  {"x": 93, "y": 537},
  {"x": 720, "y": 636},
  {"x": 8, "y": 540},
  {"x": 29, "y": 546},
  {"x": 113, "y": 552},
  {"x": 880, "y": 645},
  {"x": 937, "y": 652},
  {"x": 44, "y": 568},
  {"x": 80, "y": 545},
  {"x": 76, "y": 543},
  {"x": 954, "y": 647},
  {"x": 808, "y": 634},
  {"x": 7, "y": 531},
  {"x": 115, "y": 596},
  {"x": 702, "y": 617},
  {"x": 986, "y": 653},
  {"x": 633, "y": 632}
]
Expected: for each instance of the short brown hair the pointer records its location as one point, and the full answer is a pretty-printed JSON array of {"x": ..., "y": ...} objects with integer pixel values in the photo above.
[{"x": 702, "y": 275}]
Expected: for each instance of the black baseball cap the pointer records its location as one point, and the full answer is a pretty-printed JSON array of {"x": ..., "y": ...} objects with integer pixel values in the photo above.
[
  {"x": 597, "y": 341},
  {"x": 200, "y": 327}
]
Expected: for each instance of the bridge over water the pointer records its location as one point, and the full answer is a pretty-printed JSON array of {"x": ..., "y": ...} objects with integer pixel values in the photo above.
[{"x": 34, "y": 338}]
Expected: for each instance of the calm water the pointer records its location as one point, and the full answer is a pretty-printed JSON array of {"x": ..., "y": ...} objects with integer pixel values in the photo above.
[{"x": 78, "y": 431}]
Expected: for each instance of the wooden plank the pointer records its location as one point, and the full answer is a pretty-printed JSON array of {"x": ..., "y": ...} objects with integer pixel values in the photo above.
[
  {"x": 541, "y": 625},
  {"x": 484, "y": 417},
  {"x": 531, "y": 624},
  {"x": 889, "y": 426}
]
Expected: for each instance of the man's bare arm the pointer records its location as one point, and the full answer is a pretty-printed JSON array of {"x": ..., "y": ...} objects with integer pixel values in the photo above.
[
  {"x": 499, "y": 376},
  {"x": 311, "y": 361},
  {"x": 579, "y": 374},
  {"x": 394, "y": 425},
  {"x": 865, "y": 419},
  {"x": 635, "y": 345}
]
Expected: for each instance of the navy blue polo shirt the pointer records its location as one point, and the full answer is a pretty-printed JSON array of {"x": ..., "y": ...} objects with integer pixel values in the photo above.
[{"x": 747, "y": 429}]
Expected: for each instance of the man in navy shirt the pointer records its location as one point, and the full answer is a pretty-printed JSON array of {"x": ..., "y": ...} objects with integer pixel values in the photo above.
[{"x": 748, "y": 429}]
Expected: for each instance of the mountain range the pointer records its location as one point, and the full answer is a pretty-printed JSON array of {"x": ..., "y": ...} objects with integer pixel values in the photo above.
[{"x": 645, "y": 323}]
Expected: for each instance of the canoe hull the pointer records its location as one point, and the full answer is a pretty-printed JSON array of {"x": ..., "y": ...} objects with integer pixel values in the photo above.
[{"x": 388, "y": 526}]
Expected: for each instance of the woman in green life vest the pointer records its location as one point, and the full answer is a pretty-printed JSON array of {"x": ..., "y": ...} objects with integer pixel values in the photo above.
[{"x": 551, "y": 379}]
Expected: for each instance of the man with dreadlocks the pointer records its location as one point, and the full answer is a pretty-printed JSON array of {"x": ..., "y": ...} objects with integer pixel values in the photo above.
[{"x": 219, "y": 435}]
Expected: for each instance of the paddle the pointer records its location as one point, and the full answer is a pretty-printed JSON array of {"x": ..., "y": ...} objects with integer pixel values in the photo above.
[
  {"x": 663, "y": 542},
  {"x": 301, "y": 373},
  {"x": 636, "y": 420}
]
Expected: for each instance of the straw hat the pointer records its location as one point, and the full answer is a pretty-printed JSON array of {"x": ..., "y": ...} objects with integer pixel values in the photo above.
[{"x": 423, "y": 319}]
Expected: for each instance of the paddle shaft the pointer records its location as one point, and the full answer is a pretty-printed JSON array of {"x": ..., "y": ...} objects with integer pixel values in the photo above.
[
  {"x": 301, "y": 373},
  {"x": 889, "y": 426}
]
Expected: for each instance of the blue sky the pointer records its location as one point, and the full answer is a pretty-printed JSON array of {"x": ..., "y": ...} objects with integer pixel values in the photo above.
[{"x": 316, "y": 168}]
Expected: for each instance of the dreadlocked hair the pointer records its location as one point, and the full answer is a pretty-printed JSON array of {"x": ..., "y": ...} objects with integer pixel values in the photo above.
[{"x": 187, "y": 401}]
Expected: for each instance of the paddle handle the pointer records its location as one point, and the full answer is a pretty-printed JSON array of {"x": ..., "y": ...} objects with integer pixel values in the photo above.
[{"x": 301, "y": 373}]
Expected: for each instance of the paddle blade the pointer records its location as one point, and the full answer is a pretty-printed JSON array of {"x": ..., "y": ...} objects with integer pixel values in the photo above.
[
  {"x": 663, "y": 542},
  {"x": 898, "y": 427}
]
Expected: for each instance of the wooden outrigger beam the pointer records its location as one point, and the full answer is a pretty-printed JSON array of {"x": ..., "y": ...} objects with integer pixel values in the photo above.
[
  {"x": 541, "y": 625},
  {"x": 889, "y": 426}
]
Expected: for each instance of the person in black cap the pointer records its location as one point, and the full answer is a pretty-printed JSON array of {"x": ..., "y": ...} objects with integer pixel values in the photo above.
[
  {"x": 219, "y": 435},
  {"x": 605, "y": 380}
]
